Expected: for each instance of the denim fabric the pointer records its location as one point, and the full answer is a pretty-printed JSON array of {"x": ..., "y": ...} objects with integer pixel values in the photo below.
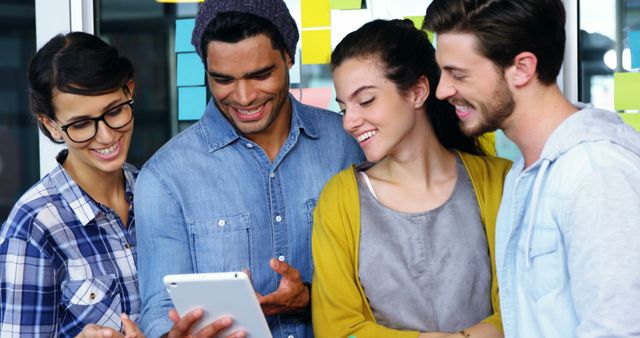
[
  {"x": 567, "y": 234},
  {"x": 212, "y": 201}
]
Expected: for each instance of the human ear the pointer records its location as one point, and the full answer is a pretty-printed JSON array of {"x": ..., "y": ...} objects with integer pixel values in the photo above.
[
  {"x": 131, "y": 86},
  {"x": 420, "y": 92},
  {"x": 524, "y": 69},
  {"x": 287, "y": 60},
  {"x": 53, "y": 129}
]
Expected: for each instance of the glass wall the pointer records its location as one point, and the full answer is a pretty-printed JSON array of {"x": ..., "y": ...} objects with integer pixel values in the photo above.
[
  {"x": 608, "y": 43},
  {"x": 143, "y": 31},
  {"x": 18, "y": 131}
]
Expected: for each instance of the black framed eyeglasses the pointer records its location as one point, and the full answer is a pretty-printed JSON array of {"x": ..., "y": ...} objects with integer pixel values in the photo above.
[{"x": 117, "y": 117}]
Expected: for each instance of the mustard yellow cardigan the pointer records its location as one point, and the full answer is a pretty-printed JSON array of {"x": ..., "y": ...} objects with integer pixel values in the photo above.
[{"x": 339, "y": 305}]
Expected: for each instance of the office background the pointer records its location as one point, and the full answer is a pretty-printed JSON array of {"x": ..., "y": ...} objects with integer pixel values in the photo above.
[{"x": 601, "y": 65}]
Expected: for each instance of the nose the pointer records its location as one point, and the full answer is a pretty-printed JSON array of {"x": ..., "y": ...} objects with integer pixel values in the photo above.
[
  {"x": 104, "y": 134},
  {"x": 445, "y": 88},
  {"x": 352, "y": 120},
  {"x": 245, "y": 93}
]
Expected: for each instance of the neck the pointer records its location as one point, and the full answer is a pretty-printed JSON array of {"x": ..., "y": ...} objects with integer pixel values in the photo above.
[
  {"x": 104, "y": 187},
  {"x": 273, "y": 137},
  {"x": 539, "y": 111},
  {"x": 419, "y": 160}
]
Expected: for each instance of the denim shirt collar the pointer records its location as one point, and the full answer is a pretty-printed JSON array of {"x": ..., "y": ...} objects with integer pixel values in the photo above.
[{"x": 218, "y": 132}]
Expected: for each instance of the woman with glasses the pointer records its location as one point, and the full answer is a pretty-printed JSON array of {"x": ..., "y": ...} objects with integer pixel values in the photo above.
[{"x": 67, "y": 250}]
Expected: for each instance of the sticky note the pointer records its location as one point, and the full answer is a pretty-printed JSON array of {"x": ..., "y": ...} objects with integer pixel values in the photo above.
[
  {"x": 317, "y": 97},
  {"x": 505, "y": 148},
  {"x": 626, "y": 91},
  {"x": 316, "y": 46},
  {"x": 191, "y": 102},
  {"x": 632, "y": 119},
  {"x": 345, "y": 22},
  {"x": 346, "y": 4},
  {"x": 417, "y": 21},
  {"x": 315, "y": 13},
  {"x": 184, "y": 27},
  {"x": 190, "y": 70},
  {"x": 634, "y": 45}
]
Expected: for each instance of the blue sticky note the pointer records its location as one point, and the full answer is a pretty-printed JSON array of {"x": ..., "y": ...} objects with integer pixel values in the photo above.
[
  {"x": 184, "y": 28},
  {"x": 191, "y": 102},
  {"x": 190, "y": 70},
  {"x": 634, "y": 46}
]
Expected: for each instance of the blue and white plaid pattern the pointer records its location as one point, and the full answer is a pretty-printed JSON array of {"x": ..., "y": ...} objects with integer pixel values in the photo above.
[{"x": 66, "y": 261}]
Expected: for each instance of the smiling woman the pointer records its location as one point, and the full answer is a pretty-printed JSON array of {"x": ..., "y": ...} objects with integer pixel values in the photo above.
[{"x": 67, "y": 257}]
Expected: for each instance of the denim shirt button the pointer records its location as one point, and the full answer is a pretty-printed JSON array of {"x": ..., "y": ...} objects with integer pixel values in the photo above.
[
  {"x": 249, "y": 145},
  {"x": 221, "y": 223},
  {"x": 272, "y": 174},
  {"x": 281, "y": 258},
  {"x": 278, "y": 218},
  {"x": 291, "y": 336}
]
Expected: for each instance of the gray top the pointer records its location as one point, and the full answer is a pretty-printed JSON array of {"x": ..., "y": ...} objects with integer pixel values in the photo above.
[{"x": 426, "y": 271}]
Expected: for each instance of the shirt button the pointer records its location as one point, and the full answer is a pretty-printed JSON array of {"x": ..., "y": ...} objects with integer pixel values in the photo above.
[
  {"x": 221, "y": 223},
  {"x": 291, "y": 336},
  {"x": 249, "y": 145},
  {"x": 278, "y": 218},
  {"x": 92, "y": 296},
  {"x": 272, "y": 175},
  {"x": 127, "y": 246},
  {"x": 281, "y": 258}
]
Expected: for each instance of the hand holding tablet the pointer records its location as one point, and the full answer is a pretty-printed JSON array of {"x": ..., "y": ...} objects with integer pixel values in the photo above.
[{"x": 218, "y": 295}]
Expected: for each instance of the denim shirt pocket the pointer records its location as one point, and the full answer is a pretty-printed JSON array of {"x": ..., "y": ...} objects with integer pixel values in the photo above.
[
  {"x": 545, "y": 273},
  {"x": 222, "y": 244},
  {"x": 310, "y": 205},
  {"x": 93, "y": 300}
]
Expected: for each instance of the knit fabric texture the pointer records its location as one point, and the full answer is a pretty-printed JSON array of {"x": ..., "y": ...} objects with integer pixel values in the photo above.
[{"x": 275, "y": 11}]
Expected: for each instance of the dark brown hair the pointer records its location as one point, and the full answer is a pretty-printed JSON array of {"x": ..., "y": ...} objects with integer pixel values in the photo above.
[
  {"x": 505, "y": 28},
  {"x": 76, "y": 63}
]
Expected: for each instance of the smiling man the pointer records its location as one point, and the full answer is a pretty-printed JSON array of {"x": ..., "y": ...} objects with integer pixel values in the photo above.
[
  {"x": 569, "y": 224},
  {"x": 237, "y": 189}
]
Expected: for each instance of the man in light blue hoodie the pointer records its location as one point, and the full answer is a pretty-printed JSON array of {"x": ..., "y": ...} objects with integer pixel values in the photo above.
[{"x": 567, "y": 251}]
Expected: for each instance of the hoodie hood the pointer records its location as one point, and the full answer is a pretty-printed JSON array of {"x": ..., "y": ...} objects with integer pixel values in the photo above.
[
  {"x": 586, "y": 125},
  {"x": 590, "y": 125}
]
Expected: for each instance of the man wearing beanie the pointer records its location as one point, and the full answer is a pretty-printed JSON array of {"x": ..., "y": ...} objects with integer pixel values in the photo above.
[{"x": 237, "y": 189}]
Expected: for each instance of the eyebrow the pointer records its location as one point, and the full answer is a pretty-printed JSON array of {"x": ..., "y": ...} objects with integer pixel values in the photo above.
[
  {"x": 357, "y": 91},
  {"x": 454, "y": 69},
  {"x": 106, "y": 108},
  {"x": 254, "y": 73}
]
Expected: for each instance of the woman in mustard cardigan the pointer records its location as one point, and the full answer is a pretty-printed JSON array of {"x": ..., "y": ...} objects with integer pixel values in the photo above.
[{"x": 403, "y": 244}]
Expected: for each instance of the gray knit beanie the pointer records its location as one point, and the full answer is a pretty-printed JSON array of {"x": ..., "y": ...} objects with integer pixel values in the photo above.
[{"x": 275, "y": 11}]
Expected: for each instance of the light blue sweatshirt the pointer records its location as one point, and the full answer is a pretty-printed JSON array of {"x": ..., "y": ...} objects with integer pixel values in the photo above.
[{"x": 568, "y": 234}]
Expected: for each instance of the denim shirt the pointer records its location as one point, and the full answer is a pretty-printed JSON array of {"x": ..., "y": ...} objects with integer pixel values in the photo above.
[{"x": 210, "y": 200}]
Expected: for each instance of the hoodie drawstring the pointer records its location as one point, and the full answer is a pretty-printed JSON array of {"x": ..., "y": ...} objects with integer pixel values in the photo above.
[{"x": 532, "y": 211}]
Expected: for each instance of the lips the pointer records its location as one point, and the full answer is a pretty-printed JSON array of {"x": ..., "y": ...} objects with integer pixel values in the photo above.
[
  {"x": 247, "y": 114},
  {"x": 107, "y": 153}
]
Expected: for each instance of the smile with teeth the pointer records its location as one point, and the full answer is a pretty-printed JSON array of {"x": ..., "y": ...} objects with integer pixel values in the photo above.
[
  {"x": 249, "y": 111},
  {"x": 366, "y": 135},
  {"x": 109, "y": 150},
  {"x": 464, "y": 109}
]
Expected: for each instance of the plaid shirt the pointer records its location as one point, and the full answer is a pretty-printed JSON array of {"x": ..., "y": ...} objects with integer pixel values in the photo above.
[{"x": 66, "y": 261}]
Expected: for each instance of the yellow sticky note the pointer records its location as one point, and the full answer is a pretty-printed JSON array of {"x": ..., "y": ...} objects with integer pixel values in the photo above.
[
  {"x": 627, "y": 91},
  {"x": 316, "y": 46},
  {"x": 315, "y": 13},
  {"x": 346, "y": 4},
  {"x": 418, "y": 20},
  {"x": 632, "y": 119}
]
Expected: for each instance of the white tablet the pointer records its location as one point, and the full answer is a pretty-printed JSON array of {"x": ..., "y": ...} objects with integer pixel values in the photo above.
[{"x": 219, "y": 294}]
